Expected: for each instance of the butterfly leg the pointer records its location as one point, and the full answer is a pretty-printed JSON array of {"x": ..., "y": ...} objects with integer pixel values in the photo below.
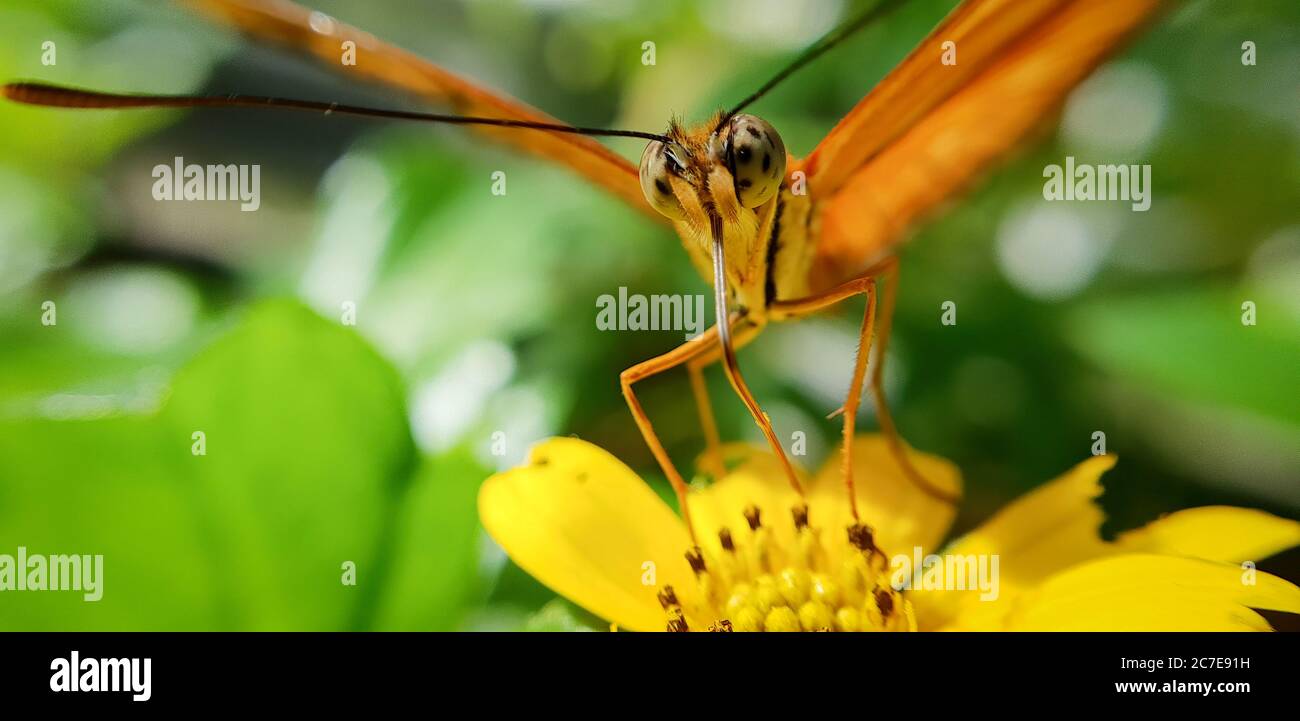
[
  {"x": 689, "y": 351},
  {"x": 727, "y": 352},
  {"x": 863, "y": 285},
  {"x": 711, "y": 461},
  {"x": 803, "y": 306},
  {"x": 887, "y": 428}
]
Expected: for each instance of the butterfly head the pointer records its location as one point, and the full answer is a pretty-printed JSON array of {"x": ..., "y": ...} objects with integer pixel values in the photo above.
[{"x": 717, "y": 168}]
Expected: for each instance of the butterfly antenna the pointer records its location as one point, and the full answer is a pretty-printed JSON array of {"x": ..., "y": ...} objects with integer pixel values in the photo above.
[
  {"x": 58, "y": 96},
  {"x": 828, "y": 41}
]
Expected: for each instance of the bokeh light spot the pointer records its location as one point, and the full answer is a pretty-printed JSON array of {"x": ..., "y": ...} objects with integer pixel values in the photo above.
[
  {"x": 1116, "y": 113},
  {"x": 131, "y": 310},
  {"x": 1048, "y": 252}
]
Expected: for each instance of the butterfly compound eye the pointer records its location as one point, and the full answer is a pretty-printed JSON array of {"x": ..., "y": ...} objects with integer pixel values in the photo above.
[
  {"x": 756, "y": 158},
  {"x": 656, "y": 165}
]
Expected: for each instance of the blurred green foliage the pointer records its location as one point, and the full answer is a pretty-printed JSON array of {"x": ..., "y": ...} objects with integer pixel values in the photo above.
[{"x": 329, "y": 443}]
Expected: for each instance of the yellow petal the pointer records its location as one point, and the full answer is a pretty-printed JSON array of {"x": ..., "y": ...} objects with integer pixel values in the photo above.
[
  {"x": 1215, "y": 533},
  {"x": 1056, "y": 527},
  {"x": 580, "y": 521},
  {"x": 901, "y": 514},
  {"x": 1144, "y": 592},
  {"x": 1050, "y": 528}
]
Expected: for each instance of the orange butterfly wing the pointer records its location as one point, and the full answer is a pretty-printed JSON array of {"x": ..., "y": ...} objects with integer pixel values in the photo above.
[
  {"x": 286, "y": 23},
  {"x": 928, "y": 129}
]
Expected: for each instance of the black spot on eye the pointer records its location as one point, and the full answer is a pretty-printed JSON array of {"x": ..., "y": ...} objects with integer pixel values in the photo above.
[
  {"x": 662, "y": 187},
  {"x": 745, "y": 183},
  {"x": 754, "y": 132},
  {"x": 744, "y": 154},
  {"x": 767, "y": 162}
]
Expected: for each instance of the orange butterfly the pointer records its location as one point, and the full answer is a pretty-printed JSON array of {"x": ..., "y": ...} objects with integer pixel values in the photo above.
[{"x": 778, "y": 237}]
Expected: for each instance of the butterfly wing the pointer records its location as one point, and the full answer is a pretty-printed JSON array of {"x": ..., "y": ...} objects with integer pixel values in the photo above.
[
  {"x": 928, "y": 129},
  {"x": 291, "y": 25}
]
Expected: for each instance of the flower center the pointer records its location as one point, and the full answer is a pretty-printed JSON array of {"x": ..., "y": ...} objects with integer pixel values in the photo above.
[{"x": 763, "y": 583}]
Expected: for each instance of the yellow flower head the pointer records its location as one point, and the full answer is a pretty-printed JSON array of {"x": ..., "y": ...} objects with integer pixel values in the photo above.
[{"x": 765, "y": 559}]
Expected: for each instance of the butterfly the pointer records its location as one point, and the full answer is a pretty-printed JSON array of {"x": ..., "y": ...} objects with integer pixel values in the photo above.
[{"x": 778, "y": 237}]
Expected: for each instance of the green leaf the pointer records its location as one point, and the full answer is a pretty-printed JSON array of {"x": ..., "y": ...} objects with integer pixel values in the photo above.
[
  {"x": 307, "y": 457},
  {"x": 102, "y": 488},
  {"x": 307, "y": 452},
  {"x": 1191, "y": 344},
  {"x": 435, "y": 571}
]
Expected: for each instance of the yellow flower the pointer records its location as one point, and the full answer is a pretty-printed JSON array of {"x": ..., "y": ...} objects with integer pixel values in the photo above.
[{"x": 583, "y": 523}]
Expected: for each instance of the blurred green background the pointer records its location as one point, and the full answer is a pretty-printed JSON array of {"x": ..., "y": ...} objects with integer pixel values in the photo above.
[{"x": 475, "y": 313}]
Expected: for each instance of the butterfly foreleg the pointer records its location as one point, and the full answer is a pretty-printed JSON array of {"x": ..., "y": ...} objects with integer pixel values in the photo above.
[
  {"x": 887, "y": 428},
  {"x": 696, "y": 354},
  {"x": 711, "y": 460},
  {"x": 866, "y": 284}
]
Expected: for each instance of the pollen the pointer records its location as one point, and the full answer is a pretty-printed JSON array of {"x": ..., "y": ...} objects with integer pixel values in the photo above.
[{"x": 757, "y": 579}]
